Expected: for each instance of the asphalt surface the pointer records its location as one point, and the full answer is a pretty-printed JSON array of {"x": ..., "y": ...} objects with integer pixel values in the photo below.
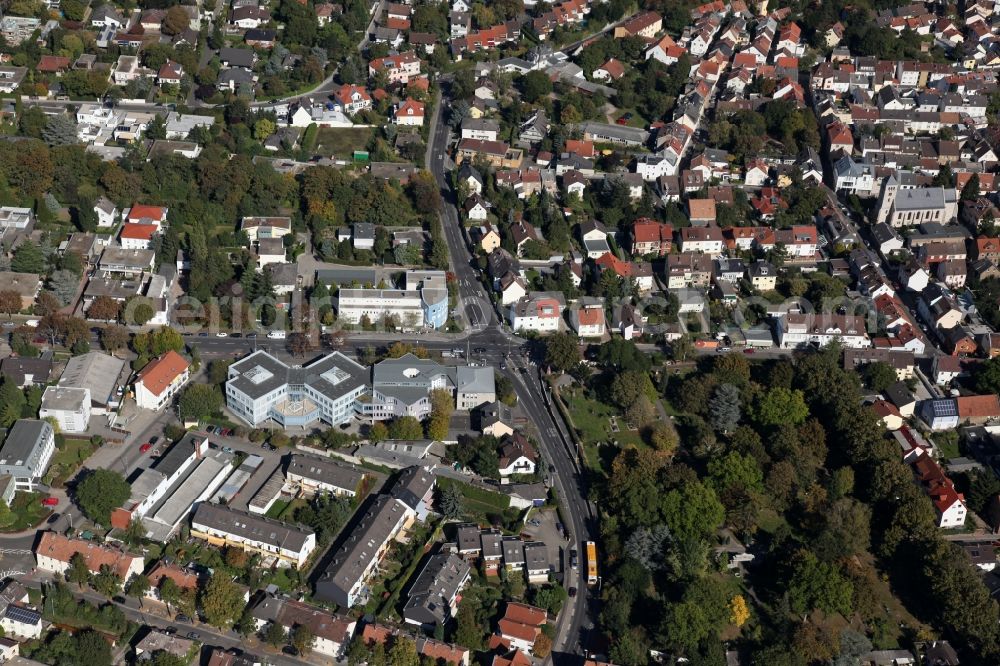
[
  {"x": 487, "y": 332},
  {"x": 152, "y": 614}
]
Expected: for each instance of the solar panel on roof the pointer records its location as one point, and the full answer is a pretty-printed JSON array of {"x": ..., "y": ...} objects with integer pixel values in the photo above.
[{"x": 23, "y": 615}]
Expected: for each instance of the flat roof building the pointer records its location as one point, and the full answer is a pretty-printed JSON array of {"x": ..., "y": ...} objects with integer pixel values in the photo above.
[
  {"x": 70, "y": 407},
  {"x": 26, "y": 452},
  {"x": 260, "y": 387}
]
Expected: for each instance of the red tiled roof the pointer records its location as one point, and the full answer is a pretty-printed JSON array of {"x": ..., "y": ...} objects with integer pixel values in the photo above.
[
  {"x": 61, "y": 549},
  {"x": 137, "y": 231},
  {"x": 978, "y": 406},
  {"x": 183, "y": 578},
  {"x": 159, "y": 373},
  {"x": 524, "y": 632},
  {"x": 525, "y": 614},
  {"x": 142, "y": 211},
  {"x": 51, "y": 63}
]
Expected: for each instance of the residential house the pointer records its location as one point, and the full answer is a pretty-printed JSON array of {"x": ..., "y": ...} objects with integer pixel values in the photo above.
[
  {"x": 539, "y": 311},
  {"x": 161, "y": 379},
  {"x": 517, "y": 456}
]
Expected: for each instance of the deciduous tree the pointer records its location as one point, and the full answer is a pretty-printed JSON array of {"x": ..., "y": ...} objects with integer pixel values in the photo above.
[
  {"x": 10, "y": 302},
  {"x": 221, "y": 602},
  {"x": 200, "y": 401},
  {"x": 104, "y": 309},
  {"x": 100, "y": 492}
]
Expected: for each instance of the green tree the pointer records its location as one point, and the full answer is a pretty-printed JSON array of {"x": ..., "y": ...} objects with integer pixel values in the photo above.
[
  {"x": 562, "y": 351},
  {"x": 724, "y": 408},
  {"x": 403, "y": 652},
  {"x": 78, "y": 572},
  {"x": 92, "y": 649},
  {"x": 816, "y": 584},
  {"x": 200, "y": 401},
  {"x": 263, "y": 128},
  {"x": 879, "y": 376},
  {"x": 170, "y": 592},
  {"x": 735, "y": 470},
  {"x": 846, "y": 532},
  {"x": 107, "y": 581},
  {"x": 12, "y": 402},
  {"x": 378, "y": 432},
  {"x": 138, "y": 588},
  {"x": 450, "y": 501},
  {"x": 302, "y": 639},
  {"x": 406, "y": 428},
  {"x": 535, "y": 85},
  {"x": 222, "y": 602},
  {"x": 101, "y": 492},
  {"x": 970, "y": 191},
  {"x": 987, "y": 376},
  {"x": 779, "y": 405},
  {"x": 28, "y": 258},
  {"x": 275, "y": 635},
  {"x": 693, "y": 511},
  {"x": 439, "y": 422}
]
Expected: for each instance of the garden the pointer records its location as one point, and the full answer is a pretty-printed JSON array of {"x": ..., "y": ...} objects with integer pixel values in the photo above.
[{"x": 25, "y": 511}]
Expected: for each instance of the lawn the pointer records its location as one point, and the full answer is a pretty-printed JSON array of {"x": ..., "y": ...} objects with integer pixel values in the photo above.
[
  {"x": 342, "y": 141},
  {"x": 277, "y": 509},
  {"x": 283, "y": 510},
  {"x": 591, "y": 420},
  {"x": 67, "y": 460},
  {"x": 28, "y": 511},
  {"x": 478, "y": 501}
]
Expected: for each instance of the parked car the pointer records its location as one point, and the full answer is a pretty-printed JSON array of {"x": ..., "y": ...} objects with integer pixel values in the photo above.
[
  {"x": 53, "y": 518},
  {"x": 270, "y": 447},
  {"x": 145, "y": 447},
  {"x": 749, "y": 350},
  {"x": 183, "y": 618},
  {"x": 50, "y": 501},
  {"x": 572, "y": 592}
]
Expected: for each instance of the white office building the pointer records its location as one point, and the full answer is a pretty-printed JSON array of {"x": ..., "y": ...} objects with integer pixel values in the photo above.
[
  {"x": 260, "y": 387},
  {"x": 70, "y": 407},
  {"x": 26, "y": 453}
]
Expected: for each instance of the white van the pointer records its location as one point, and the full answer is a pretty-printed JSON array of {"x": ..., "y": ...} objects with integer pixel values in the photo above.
[{"x": 276, "y": 335}]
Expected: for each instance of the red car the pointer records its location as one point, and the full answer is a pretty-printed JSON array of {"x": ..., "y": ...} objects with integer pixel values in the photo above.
[
  {"x": 748, "y": 351},
  {"x": 50, "y": 501},
  {"x": 145, "y": 447}
]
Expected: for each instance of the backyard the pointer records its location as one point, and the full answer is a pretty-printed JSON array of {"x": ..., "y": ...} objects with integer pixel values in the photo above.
[
  {"x": 285, "y": 510},
  {"x": 477, "y": 502},
  {"x": 67, "y": 459},
  {"x": 342, "y": 141}
]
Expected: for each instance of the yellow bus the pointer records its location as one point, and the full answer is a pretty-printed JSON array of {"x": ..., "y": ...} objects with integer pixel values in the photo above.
[{"x": 591, "y": 549}]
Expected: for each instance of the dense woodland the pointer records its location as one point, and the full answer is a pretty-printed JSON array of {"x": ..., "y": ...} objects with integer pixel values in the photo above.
[{"x": 782, "y": 456}]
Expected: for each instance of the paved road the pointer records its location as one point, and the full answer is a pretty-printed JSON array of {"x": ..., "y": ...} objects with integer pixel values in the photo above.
[
  {"x": 488, "y": 333},
  {"x": 152, "y": 614}
]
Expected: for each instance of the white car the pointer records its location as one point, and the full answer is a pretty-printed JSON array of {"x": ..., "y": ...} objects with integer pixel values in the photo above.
[
  {"x": 222, "y": 334},
  {"x": 276, "y": 335}
]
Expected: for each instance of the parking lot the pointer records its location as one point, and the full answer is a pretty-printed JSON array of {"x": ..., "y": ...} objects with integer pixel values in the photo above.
[{"x": 547, "y": 531}]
